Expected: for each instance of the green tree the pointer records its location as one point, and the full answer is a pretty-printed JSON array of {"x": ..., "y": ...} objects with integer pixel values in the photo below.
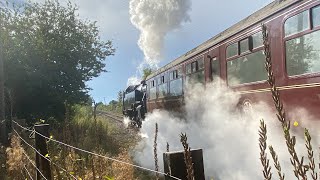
[
  {"x": 49, "y": 55},
  {"x": 146, "y": 72},
  {"x": 120, "y": 96}
]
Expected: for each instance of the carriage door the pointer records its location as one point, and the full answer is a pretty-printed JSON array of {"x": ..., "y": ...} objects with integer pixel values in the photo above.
[{"x": 214, "y": 64}]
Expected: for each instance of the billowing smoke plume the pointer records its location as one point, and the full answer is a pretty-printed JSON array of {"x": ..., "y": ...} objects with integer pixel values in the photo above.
[
  {"x": 134, "y": 80},
  {"x": 155, "y": 19},
  {"x": 229, "y": 139}
]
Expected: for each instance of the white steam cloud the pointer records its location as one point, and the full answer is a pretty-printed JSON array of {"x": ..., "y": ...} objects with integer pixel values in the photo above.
[
  {"x": 229, "y": 139},
  {"x": 134, "y": 80},
  {"x": 155, "y": 19}
]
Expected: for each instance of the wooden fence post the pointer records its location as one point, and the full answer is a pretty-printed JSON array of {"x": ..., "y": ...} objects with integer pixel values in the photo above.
[
  {"x": 174, "y": 164},
  {"x": 41, "y": 146}
]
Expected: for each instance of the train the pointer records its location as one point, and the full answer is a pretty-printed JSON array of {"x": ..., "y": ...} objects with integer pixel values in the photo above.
[{"x": 236, "y": 56}]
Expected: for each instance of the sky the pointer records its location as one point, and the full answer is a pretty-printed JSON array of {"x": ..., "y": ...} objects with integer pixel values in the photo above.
[{"x": 207, "y": 18}]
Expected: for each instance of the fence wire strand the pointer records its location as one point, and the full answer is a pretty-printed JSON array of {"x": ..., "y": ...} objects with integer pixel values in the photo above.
[
  {"x": 44, "y": 156},
  {"x": 95, "y": 154},
  {"x": 28, "y": 172},
  {"x": 32, "y": 162}
]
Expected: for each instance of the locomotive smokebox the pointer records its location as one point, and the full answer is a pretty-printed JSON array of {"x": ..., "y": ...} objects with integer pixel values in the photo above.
[{"x": 175, "y": 166}]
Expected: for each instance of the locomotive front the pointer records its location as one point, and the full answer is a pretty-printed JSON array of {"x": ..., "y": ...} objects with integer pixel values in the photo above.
[{"x": 134, "y": 103}]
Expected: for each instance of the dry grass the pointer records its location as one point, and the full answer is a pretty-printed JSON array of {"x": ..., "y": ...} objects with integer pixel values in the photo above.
[
  {"x": 122, "y": 171},
  {"x": 17, "y": 161},
  {"x": 263, "y": 155},
  {"x": 155, "y": 155},
  {"x": 299, "y": 168},
  {"x": 187, "y": 156}
]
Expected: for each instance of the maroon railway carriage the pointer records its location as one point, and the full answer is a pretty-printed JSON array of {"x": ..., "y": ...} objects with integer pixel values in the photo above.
[{"x": 236, "y": 56}]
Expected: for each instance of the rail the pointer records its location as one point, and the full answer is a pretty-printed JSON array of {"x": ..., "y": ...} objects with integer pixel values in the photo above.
[{"x": 112, "y": 116}]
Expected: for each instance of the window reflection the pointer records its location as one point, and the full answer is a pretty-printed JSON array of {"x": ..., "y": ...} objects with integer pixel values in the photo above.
[
  {"x": 316, "y": 16},
  {"x": 232, "y": 50},
  {"x": 247, "y": 69},
  {"x": 197, "y": 77},
  {"x": 257, "y": 40},
  {"x": 153, "y": 93},
  {"x": 215, "y": 68},
  {"x": 162, "y": 90},
  {"x": 297, "y": 23},
  {"x": 176, "y": 87},
  {"x": 302, "y": 54}
]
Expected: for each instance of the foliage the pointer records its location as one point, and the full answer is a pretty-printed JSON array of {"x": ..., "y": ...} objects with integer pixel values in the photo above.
[
  {"x": 99, "y": 136},
  {"x": 113, "y": 106},
  {"x": 17, "y": 160},
  {"x": 49, "y": 55},
  {"x": 300, "y": 169},
  {"x": 120, "y": 98},
  {"x": 146, "y": 72}
]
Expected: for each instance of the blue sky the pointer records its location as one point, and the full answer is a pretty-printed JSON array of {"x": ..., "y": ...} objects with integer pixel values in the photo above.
[{"x": 208, "y": 18}]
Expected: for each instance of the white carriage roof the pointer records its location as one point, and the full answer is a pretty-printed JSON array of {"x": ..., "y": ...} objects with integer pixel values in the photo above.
[{"x": 256, "y": 17}]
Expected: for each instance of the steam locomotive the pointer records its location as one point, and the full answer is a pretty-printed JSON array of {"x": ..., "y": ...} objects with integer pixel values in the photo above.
[
  {"x": 134, "y": 103},
  {"x": 236, "y": 57}
]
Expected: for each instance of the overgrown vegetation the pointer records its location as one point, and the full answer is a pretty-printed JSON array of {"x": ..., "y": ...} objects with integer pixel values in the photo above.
[
  {"x": 114, "y": 106},
  {"x": 82, "y": 130},
  {"x": 300, "y": 168},
  {"x": 49, "y": 54}
]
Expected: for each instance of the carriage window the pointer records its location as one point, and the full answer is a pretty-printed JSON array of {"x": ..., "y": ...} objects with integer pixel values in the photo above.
[
  {"x": 176, "y": 87},
  {"x": 188, "y": 68},
  {"x": 162, "y": 79},
  {"x": 215, "y": 68},
  {"x": 153, "y": 93},
  {"x": 194, "y": 66},
  {"x": 297, "y": 23},
  {"x": 162, "y": 90},
  {"x": 197, "y": 72},
  {"x": 195, "y": 77},
  {"x": 316, "y": 16},
  {"x": 179, "y": 72},
  {"x": 232, "y": 50},
  {"x": 257, "y": 40},
  {"x": 303, "y": 54},
  {"x": 244, "y": 46},
  {"x": 200, "y": 64},
  {"x": 246, "y": 69},
  {"x": 152, "y": 84},
  {"x": 174, "y": 75}
]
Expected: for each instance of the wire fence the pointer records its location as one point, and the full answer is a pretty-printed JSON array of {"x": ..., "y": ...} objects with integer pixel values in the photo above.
[
  {"x": 25, "y": 169},
  {"x": 35, "y": 150},
  {"x": 82, "y": 150},
  {"x": 37, "y": 169}
]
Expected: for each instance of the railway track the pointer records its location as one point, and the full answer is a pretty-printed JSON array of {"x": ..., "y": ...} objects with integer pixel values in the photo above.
[{"x": 111, "y": 115}]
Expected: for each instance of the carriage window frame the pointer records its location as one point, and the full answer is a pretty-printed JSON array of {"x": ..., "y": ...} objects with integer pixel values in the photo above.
[
  {"x": 162, "y": 79},
  {"x": 152, "y": 84},
  {"x": 252, "y": 39},
  {"x": 236, "y": 44},
  {"x": 251, "y": 50},
  {"x": 215, "y": 74},
  {"x": 309, "y": 25},
  {"x": 242, "y": 44},
  {"x": 194, "y": 66},
  {"x": 311, "y": 29},
  {"x": 175, "y": 75}
]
